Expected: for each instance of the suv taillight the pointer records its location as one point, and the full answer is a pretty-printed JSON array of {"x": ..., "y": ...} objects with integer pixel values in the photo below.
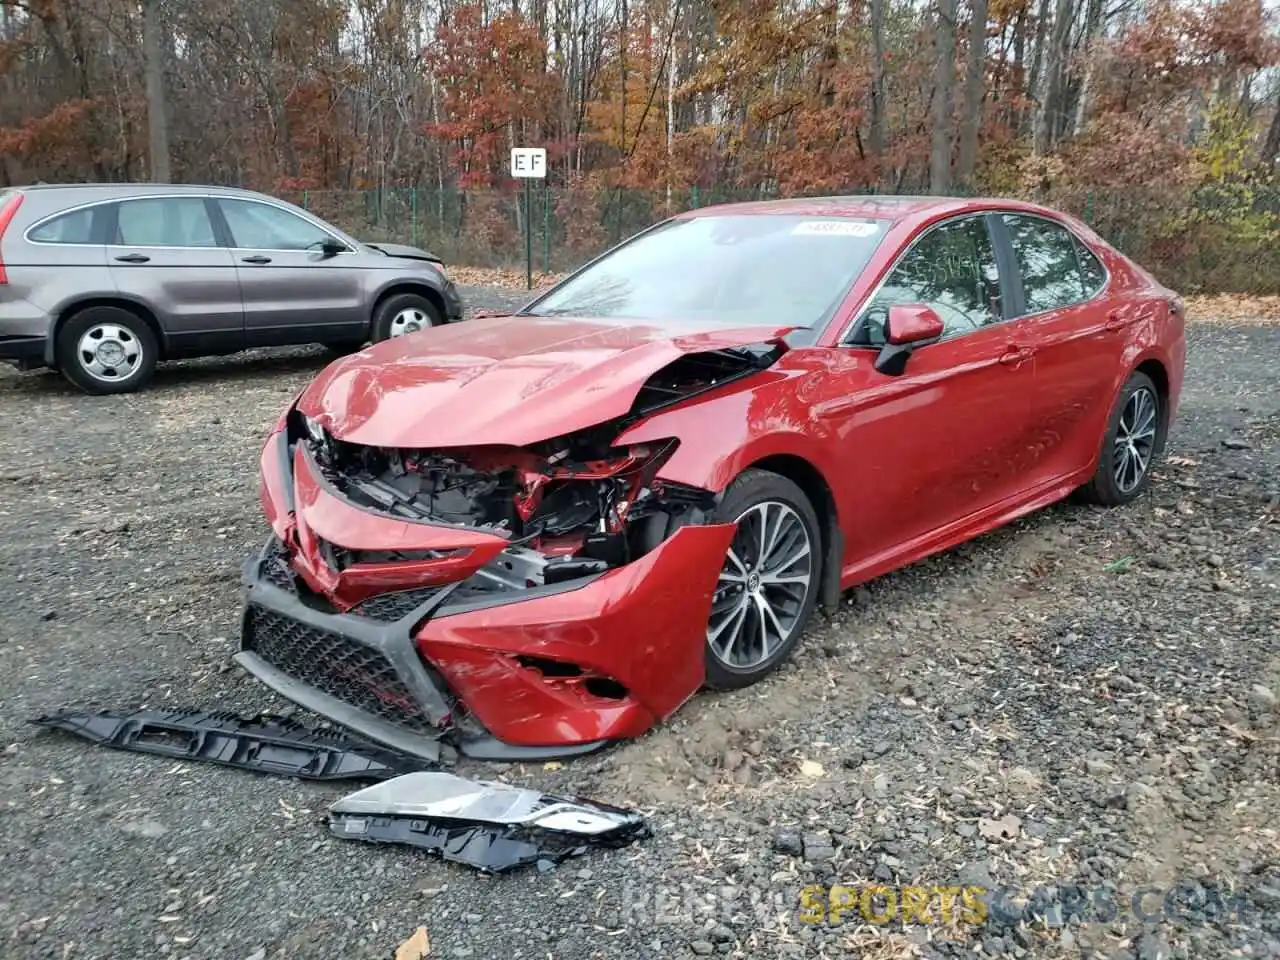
[{"x": 7, "y": 211}]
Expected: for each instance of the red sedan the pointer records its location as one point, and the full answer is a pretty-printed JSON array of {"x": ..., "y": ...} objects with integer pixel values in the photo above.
[{"x": 530, "y": 535}]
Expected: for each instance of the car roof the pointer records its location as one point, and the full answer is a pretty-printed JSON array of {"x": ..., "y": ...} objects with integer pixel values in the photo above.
[
  {"x": 133, "y": 189},
  {"x": 866, "y": 207}
]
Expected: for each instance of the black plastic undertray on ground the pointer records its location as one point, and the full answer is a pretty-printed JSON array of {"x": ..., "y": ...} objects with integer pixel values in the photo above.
[{"x": 262, "y": 744}]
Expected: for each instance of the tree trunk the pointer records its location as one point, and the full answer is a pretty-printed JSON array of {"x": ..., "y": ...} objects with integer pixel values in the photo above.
[
  {"x": 877, "y": 78},
  {"x": 1092, "y": 27},
  {"x": 1271, "y": 146},
  {"x": 1049, "y": 115},
  {"x": 973, "y": 93},
  {"x": 943, "y": 76},
  {"x": 1032, "y": 88},
  {"x": 157, "y": 117}
]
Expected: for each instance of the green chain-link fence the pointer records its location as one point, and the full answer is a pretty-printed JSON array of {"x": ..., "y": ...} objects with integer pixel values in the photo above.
[{"x": 1224, "y": 238}]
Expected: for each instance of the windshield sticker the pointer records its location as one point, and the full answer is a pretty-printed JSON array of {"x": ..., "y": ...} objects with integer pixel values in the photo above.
[{"x": 834, "y": 228}]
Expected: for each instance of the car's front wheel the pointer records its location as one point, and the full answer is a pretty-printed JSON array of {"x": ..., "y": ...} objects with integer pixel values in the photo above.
[
  {"x": 107, "y": 350},
  {"x": 769, "y": 584},
  {"x": 403, "y": 313}
]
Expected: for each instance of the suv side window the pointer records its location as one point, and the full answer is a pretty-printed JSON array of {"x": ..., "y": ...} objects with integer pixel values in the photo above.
[
  {"x": 260, "y": 226},
  {"x": 164, "y": 222},
  {"x": 1047, "y": 259},
  {"x": 73, "y": 227},
  {"x": 952, "y": 269}
]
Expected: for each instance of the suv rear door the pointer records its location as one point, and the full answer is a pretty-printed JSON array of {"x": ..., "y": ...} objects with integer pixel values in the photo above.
[
  {"x": 164, "y": 253},
  {"x": 293, "y": 291}
]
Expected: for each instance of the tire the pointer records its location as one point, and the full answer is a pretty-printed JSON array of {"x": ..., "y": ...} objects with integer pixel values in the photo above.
[
  {"x": 735, "y": 655},
  {"x": 1138, "y": 411},
  {"x": 403, "y": 313},
  {"x": 107, "y": 350}
]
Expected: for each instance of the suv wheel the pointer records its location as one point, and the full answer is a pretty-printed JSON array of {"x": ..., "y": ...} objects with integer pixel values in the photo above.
[
  {"x": 403, "y": 313},
  {"x": 107, "y": 350}
]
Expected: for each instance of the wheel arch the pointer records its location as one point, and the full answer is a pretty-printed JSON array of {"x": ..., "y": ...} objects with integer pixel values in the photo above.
[
  {"x": 806, "y": 475},
  {"x": 419, "y": 287},
  {"x": 1155, "y": 369},
  {"x": 138, "y": 309}
]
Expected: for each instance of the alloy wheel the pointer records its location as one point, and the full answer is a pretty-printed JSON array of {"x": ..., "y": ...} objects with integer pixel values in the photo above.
[
  {"x": 1135, "y": 439},
  {"x": 109, "y": 352},
  {"x": 408, "y": 320},
  {"x": 762, "y": 588}
]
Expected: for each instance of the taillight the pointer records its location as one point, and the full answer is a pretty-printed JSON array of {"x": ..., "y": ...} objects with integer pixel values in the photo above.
[{"x": 7, "y": 212}]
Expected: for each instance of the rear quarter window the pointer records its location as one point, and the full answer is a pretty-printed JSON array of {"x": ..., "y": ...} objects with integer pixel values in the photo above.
[
  {"x": 73, "y": 227},
  {"x": 1091, "y": 269}
]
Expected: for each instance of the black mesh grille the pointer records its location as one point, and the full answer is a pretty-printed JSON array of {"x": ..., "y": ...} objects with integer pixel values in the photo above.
[
  {"x": 276, "y": 571},
  {"x": 393, "y": 606},
  {"x": 336, "y": 665}
]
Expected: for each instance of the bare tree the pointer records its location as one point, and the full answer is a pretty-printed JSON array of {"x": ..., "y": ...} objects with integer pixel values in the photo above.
[
  {"x": 943, "y": 79},
  {"x": 973, "y": 92},
  {"x": 157, "y": 113},
  {"x": 1049, "y": 114},
  {"x": 877, "y": 77}
]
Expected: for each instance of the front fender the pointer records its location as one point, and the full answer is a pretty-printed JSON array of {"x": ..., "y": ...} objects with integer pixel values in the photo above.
[{"x": 721, "y": 437}]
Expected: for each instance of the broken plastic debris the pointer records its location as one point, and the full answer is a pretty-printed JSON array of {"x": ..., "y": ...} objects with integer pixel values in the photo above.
[
  {"x": 263, "y": 744},
  {"x": 490, "y": 826}
]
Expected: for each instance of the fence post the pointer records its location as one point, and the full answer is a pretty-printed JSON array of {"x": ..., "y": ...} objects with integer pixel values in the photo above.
[
  {"x": 546, "y": 228},
  {"x": 306, "y": 199},
  {"x": 693, "y": 196},
  {"x": 413, "y": 213}
]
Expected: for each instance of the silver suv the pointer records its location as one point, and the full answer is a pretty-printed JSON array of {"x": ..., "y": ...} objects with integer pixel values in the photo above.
[{"x": 102, "y": 280}]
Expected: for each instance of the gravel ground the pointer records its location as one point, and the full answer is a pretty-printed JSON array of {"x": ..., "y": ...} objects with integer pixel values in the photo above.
[{"x": 1082, "y": 704}]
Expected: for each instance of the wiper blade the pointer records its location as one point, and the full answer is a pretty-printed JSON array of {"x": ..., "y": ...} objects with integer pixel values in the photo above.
[{"x": 263, "y": 744}]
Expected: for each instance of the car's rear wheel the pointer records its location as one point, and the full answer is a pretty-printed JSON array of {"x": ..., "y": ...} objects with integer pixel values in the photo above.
[
  {"x": 404, "y": 313},
  {"x": 769, "y": 584},
  {"x": 107, "y": 350},
  {"x": 1135, "y": 435}
]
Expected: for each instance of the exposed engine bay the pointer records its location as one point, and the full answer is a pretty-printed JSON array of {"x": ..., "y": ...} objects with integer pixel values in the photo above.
[{"x": 571, "y": 507}]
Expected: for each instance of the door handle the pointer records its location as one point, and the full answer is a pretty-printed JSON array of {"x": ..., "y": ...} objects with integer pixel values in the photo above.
[
  {"x": 1015, "y": 356},
  {"x": 133, "y": 258},
  {"x": 256, "y": 259}
]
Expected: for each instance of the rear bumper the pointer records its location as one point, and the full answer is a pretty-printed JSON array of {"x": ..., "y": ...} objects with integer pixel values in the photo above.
[{"x": 512, "y": 676}]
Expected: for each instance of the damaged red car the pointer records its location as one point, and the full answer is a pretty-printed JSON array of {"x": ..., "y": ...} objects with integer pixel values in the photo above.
[{"x": 531, "y": 535}]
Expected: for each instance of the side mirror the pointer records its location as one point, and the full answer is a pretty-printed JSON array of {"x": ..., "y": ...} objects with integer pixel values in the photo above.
[
  {"x": 331, "y": 248},
  {"x": 908, "y": 325}
]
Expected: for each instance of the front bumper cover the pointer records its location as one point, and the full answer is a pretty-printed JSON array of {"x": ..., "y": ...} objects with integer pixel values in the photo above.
[{"x": 359, "y": 671}]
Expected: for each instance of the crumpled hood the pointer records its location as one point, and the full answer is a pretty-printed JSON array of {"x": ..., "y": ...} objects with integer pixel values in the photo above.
[{"x": 502, "y": 380}]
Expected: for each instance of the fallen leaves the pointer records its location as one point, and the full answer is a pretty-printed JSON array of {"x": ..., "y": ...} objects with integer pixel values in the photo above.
[
  {"x": 497, "y": 277},
  {"x": 416, "y": 947},
  {"x": 1233, "y": 308}
]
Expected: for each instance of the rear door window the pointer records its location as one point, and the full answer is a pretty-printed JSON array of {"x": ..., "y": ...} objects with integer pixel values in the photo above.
[
  {"x": 73, "y": 227},
  {"x": 164, "y": 222},
  {"x": 1047, "y": 260}
]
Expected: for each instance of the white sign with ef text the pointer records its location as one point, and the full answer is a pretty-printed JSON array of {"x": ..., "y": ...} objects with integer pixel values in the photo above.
[{"x": 529, "y": 162}]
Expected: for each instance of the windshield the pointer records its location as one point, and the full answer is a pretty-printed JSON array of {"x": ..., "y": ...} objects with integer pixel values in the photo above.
[{"x": 743, "y": 268}]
